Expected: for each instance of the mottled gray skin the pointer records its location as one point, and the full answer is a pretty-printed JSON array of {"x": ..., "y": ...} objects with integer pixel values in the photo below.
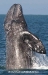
[{"x": 20, "y": 44}]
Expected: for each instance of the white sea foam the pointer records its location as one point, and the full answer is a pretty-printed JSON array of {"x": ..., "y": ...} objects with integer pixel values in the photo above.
[{"x": 40, "y": 61}]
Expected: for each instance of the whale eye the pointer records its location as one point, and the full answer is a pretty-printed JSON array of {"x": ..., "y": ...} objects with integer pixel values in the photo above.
[{"x": 42, "y": 51}]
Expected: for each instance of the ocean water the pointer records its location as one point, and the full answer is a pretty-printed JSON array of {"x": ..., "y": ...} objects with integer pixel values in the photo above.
[{"x": 38, "y": 25}]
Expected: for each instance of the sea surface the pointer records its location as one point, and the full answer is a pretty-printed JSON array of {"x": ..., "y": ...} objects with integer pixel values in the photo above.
[{"x": 38, "y": 25}]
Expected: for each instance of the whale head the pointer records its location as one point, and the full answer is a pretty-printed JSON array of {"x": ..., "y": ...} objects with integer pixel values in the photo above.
[{"x": 15, "y": 17}]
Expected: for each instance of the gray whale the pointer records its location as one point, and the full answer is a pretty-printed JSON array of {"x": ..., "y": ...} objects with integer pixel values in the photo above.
[{"x": 20, "y": 43}]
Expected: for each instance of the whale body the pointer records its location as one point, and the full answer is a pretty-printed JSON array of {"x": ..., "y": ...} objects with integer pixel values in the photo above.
[{"x": 20, "y": 43}]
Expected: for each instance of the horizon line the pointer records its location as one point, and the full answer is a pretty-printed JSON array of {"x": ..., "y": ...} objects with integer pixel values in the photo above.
[{"x": 29, "y": 14}]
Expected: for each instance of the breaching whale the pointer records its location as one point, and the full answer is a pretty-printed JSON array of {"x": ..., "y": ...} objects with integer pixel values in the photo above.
[{"x": 20, "y": 43}]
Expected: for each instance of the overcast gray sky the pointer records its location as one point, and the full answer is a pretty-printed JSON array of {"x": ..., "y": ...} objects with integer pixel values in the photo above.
[{"x": 39, "y": 7}]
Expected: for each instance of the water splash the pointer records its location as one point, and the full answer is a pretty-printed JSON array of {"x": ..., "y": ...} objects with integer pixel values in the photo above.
[{"x": 40, "y": 61}]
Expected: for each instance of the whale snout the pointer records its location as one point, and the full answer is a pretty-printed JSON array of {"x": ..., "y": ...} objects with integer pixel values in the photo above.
[
  {"x": 17, "y": 10},
  {"x": 14, "y": 13}
]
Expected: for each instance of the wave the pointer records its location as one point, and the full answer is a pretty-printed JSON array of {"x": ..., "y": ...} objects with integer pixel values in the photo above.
[{"x": 40, "y": 61}]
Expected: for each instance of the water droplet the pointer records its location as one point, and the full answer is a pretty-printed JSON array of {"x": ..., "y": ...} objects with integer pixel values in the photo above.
[
  {"x": 42, "y": 51},
  {"x": 35, "y": 48}
]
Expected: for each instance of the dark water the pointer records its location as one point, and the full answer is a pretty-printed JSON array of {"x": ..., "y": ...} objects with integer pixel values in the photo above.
[{"x": 37, "y": 24}]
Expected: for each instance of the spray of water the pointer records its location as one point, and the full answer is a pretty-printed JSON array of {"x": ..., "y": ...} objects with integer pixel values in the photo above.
[{"x": 40, "y": 61}]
